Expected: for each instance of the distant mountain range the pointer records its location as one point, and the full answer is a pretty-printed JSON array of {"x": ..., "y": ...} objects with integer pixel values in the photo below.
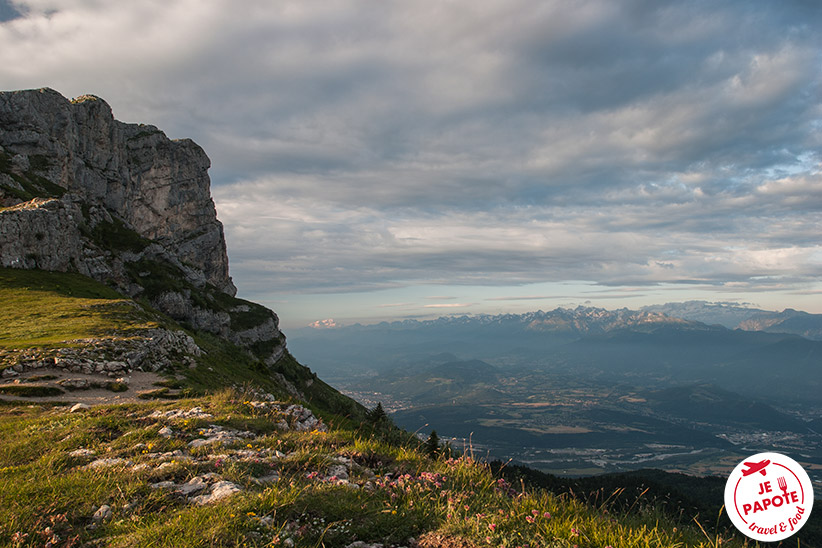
[
  {"x": 768, "y": 354},
  {"x": 749, "y": 319},
  {"x": 589, "y": 320}
]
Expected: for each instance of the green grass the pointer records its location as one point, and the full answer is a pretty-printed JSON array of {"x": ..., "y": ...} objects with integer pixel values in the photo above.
[
  {"x": 30, "y": 391},
  {"x": 401, "y": 493},
  {"x": 46, "y": 309}
]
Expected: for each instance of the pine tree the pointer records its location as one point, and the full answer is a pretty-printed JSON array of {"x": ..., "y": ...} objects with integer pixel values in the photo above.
[
  {"x": 432, "y": 446},
  {"x": 378, "y": 415}
]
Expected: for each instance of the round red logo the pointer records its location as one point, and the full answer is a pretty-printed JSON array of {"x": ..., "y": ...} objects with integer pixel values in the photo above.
[{"x": 768, "y": 497}]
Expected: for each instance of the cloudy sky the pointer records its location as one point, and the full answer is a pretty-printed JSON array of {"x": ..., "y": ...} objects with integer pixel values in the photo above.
[{"x": 387, "y": 159}]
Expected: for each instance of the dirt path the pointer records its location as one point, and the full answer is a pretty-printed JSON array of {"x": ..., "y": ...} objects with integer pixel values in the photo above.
[{"x": 138, "y": 382}]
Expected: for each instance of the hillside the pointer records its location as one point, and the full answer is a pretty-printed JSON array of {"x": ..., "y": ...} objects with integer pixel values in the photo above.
[
  {"x": 243, "y": 469},
  {"x": 64, "y": 335}
]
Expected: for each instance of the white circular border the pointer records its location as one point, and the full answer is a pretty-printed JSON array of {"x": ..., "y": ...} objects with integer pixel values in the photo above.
[{"x": 737, "y": 475}]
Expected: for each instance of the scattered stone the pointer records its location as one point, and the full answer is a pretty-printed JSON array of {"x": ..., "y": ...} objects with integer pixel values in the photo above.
[
  {"x": 194, "y": 485},
  {"x": 218, "y": 434},
  {"x": 163, "y": 485},
  {"x": 79, "y": 407},
  {"x": 102, "y": 513},
  {"x": 193, "y": 413},
  {"x": 139, "y": 467},
  {"x": 82, "y": 453},
  {"x": 200, "y": 443},
  {"x": 164, "y": 466},
  {"x": 166, "y": 432},
  {"x": 108, "y": 463},
  {"x": 219, "y": 491},
  {"x": 270, "y": 478},
  {"x": 339, "y": 472},
  {"x": 74, "y": 384}
]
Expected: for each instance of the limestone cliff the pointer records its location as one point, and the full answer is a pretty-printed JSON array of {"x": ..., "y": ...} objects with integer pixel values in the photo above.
[{"x": 124, "y": 204}]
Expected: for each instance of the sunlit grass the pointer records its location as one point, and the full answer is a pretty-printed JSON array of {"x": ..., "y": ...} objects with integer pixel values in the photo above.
[
  {"x": 47, "y": 309},
  {"x": 394, "y": 492}
]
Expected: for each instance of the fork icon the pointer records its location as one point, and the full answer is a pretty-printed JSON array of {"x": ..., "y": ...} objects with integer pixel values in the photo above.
[{"x": 783, "y": 485}]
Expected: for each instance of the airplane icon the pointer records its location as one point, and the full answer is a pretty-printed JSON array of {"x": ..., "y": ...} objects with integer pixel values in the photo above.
[{"x": 754, "y": 467}]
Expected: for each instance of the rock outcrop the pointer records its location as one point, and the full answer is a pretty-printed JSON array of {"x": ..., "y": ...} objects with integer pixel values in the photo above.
[
  {"x": 125, "y": 205},
  {"x": 157, "y": 186}
]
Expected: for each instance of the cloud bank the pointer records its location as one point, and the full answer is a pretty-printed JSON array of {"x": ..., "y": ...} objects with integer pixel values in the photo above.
[{"x": 360, "y": 146}]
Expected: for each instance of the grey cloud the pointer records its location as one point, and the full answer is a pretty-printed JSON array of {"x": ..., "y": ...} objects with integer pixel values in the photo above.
[{"x": 360, "y": 146}]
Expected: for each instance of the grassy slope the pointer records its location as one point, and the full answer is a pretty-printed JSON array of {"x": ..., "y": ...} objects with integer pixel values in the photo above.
[
  {"x": 47, "y": 309},
  {"x": 44, "y": 491}
]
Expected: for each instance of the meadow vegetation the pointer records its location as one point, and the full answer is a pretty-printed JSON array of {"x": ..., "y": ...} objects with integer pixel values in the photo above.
[
  {"x": 335, "y": 484},
  {"x": 51, "y": 309}
]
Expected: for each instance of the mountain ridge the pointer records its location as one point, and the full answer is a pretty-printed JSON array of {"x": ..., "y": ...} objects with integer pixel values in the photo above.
[{"x": 587, "y": 320}]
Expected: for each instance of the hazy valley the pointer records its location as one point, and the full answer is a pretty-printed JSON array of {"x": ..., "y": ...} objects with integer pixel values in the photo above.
[{"x": 589, "y": 391}]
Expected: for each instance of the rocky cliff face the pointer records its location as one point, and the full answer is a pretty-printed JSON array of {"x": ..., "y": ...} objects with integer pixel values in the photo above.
[
  {"x": 121, "y": 203},
  {"x": 157, "y": 186}
]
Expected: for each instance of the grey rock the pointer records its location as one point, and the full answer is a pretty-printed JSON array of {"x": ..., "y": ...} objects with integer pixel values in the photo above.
[
  {"x": 193, "y": 413},
  {"x": 74, "y": 384},
  {"x": 79, "y": 407},
  {"x": 194, "y": 485},
  {"x": 108, "y": 463},
  {"x": 219, "y": 491},
  {"x": 269, "y": 478},
  {"x": 339, "y": 471},
  {"x": 102, "y": 513}
]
